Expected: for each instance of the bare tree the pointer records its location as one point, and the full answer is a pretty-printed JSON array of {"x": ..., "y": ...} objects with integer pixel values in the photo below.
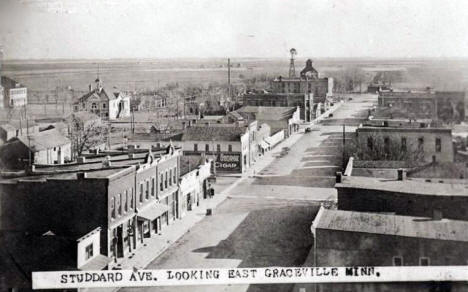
[{"x": 85, "y": 136}]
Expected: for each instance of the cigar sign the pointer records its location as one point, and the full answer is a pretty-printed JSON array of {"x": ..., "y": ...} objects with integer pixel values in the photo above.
[{"x": 228, "y": 162}]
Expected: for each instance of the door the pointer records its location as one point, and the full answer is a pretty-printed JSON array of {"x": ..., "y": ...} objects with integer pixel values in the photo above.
[{"x": 120, "y": 243}]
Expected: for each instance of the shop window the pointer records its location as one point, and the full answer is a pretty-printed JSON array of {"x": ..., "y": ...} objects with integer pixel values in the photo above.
[
  {"x": 89, "y": 251},
  {"x": 398, "y": 261},
  {"x": 207, "y": 147},
  {"x": 230, "y": 148},
  {"x": 147, "y": 189},
  {"x": 424, "y": 261},
  {"x": 153, "y": 186},
  {"x": 438, "y": 145},
  {"x": 141, "y": 192},
  {"x": 218, "y": 148},
  {"x": 195, "y": 147}
]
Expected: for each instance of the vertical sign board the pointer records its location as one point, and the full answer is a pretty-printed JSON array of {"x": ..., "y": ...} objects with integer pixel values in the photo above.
[{"x": 228, "y": 162}]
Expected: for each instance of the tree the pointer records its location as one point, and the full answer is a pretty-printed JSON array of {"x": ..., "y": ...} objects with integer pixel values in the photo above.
[{"x": 85, "y": 136}]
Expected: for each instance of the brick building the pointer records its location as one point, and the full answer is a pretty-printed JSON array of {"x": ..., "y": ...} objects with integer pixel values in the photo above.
[
  {"x": 130, "y": 196},
  {"x": 14, "y": 93},
  {"x": 446, "y": 106},
  {"x": 428, "y": 143},
  {"x": 349, "y": 238}
]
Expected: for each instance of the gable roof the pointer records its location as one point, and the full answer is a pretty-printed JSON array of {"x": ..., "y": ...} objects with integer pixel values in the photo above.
[
  {"x": 209, "y": 133},
  {"x": 388, "y": 224},
  {"x": 100, "y": 94},
  {"x": 44, "y": 140}
]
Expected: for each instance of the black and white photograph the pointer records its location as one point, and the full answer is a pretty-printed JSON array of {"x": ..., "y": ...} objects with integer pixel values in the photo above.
[{"x": 234, "y": 145}]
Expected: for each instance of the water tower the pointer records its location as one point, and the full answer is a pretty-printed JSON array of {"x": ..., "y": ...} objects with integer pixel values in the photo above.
[{"x": 292, "y": 69}]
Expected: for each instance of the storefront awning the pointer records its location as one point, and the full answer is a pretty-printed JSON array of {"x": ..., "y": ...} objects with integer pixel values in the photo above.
[
  {"x": 152, "y": 211},
  {"x": 97, "y": 263}
]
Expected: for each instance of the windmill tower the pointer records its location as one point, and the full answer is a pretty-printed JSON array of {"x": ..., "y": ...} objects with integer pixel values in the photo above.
[{"x": 292, "y": 69}]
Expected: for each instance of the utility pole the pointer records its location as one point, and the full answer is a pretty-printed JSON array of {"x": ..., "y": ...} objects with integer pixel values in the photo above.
[
  {"x": 343, "y": 150},
  {"x": 229, "y": 78}
]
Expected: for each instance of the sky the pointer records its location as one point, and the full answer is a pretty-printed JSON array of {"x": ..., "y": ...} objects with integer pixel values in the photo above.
[{"x": 50, "y": 29}]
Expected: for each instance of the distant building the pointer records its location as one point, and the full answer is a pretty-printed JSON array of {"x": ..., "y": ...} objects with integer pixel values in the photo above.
[
  {"x": 47, "y": 147},
  {"x": 14, "y": 93},
  {"x": 278, "y": 118},
  {"x": 85, "y": 119},
  {"x": 107, "y": 106},
  {"x": 148, "y": 102},
  {"x": 446, "y": 106},
  {"x": 308, "y": 82},
  {"x": 430, "y": 144},
  {"x": 14, "y": 128},
  {"x": 305, "y": 92},
  {"x": 403, "y": 197},
  {"x": 348, "y": 238}
]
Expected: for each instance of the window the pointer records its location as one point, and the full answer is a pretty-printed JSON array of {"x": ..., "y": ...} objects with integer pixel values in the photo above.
[
  {"x": 131, "y": 198},
  {"x": 103, "y": 105},
  {"x": 207, "y": 148},
  {"x": 174, "y": 175},
  {"x": 424, "y": 261},
  {"x": 165, "y": 180},
  {"x": 218, "y": 148},
  {"x": 141, "y": 192},
  {"x": 398, "y": 261},
  {"x": 387, "y": 145},
  {"x": 153, "y": 186},
  {"x": 230, "y": 148},
  {"x": 126, "y": 202},
  {"x": 421, "y": 143},
  {"x": 438, "y": 145},
  {"x": 93, "y": 106},
  {"x": 89, "y": 251},
  {"x": 195, "y": 147},
  {"x": 119, "y": 204},
  {"x": 112, "y": 206},
  {"x": 370, "y": 143},
  {"x": 147, "y": 189},
  {"x": 403, "y": 144},
  {"x": 161, "y": 185},
  {"x": 170, "y": 177}
]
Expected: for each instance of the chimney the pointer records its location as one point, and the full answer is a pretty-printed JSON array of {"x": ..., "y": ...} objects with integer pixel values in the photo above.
[
  {"x": 401, "y": 174},
  {"x": 81, "y": 175},
  {"x": 81, "y": 159},
  {"x": 437, "y": 214},
  {"x": 339, "y": 177}
]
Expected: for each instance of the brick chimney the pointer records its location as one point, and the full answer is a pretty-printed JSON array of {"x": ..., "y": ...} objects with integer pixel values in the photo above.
[{"x": 339, "y": 177}]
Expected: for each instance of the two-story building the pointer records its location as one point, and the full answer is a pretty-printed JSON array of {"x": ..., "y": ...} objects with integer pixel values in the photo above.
[
  {"x": 14, "y": 93},
  {"x": 107, "y": 106}
]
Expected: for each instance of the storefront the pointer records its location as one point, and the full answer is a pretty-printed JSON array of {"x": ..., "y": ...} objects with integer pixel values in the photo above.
[
  {"x": 151, "y": 220},
  {"x": 122, "y": 238}
]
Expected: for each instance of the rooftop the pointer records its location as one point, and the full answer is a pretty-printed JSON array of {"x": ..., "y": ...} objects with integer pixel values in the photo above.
[
  {"x": 44, "y": 140},
  {"x": 213, "y": 133},
  {"x": 386, "y": 224},
  {"x": 406, "y": 186}
]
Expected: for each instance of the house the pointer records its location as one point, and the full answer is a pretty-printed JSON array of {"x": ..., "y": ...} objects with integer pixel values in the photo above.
[
  {"x": 47, "y": 147},
  {"x": 14, "y": 128},
  {"x": 14, "y": 93},
  {"x": 107, "y": 106},
  {"x": 350, "y": 238}
]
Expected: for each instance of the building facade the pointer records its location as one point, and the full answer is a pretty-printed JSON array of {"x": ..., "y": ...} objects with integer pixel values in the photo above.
[
  {"x": 429, "y": 144},
  {"x": 14, "y": 93}
]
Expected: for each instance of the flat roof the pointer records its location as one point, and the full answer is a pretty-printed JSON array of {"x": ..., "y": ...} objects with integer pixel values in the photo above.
[
  {"x": 407, "y": 186},
  {"x": 388, "y": 224}
]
